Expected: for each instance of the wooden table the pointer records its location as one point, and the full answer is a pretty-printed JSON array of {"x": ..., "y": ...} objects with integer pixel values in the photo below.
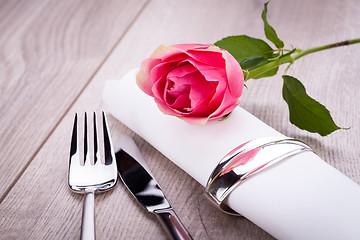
[{"x": 55, "y": 57}]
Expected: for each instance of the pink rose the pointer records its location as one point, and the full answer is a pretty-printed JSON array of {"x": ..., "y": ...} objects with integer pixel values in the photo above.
[{"x": 193, "y": 81}]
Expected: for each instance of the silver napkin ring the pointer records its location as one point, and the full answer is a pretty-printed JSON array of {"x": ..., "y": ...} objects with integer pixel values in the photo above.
[{"x": 246, "y": 160}]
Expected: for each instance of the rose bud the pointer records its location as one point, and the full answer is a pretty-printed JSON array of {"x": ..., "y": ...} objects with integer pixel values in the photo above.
[{"x": 195, "y": 82}]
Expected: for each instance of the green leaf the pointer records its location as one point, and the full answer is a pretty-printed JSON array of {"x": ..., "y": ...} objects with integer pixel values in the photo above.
[
  {"x": 250, "y": 52},
  {"x": 243, "y": 47},
  {"x": 270, "y": 31},
  {"x": 305, "y": 112},
  {"x": 269, "y": 73},
  {"x": 253, "y": 63}
]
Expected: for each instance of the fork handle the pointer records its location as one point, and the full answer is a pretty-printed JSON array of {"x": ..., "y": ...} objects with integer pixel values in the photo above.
[
  {"x": 172, "y": 224},
  {"x": 88, "y": 216}
]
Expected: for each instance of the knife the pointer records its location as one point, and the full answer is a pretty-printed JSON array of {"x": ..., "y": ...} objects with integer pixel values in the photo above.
[{"x": 139, "y": 180}]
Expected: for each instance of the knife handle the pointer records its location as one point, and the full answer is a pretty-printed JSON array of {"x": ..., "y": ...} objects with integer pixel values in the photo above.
[{"x": 172, "y": 224}]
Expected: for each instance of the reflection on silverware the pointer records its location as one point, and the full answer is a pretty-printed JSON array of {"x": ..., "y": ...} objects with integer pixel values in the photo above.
[
  {"x": 136, "y": 175},
  {"x": 89, "y": 178},
  {"x": 247, "y": 160}
]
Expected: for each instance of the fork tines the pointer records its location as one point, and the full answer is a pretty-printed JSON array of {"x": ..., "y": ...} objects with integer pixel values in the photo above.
[{"x": 75, "y": 149}]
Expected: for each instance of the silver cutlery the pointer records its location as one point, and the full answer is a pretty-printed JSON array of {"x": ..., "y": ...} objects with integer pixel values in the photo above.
[
  {"x": 138, "y": 178},
  {"x": 88, "y": 178}
]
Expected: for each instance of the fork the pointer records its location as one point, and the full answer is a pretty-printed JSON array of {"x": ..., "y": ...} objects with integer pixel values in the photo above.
[{"x": 88, "y": 178}]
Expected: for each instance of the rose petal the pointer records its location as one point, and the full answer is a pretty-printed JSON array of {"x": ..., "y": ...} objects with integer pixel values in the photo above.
[
  {"x": 164, "y": 108},
  {"x": 202, "y": 94},
  {"x": 175, "y": 90},
  {"x": 158, "y": 78},
  {"x": 181, "y": 104},
  {"x": 196, "y": 120},
  {"x": 214, "y": 59},
  {"x": 168, "y": 53},
  {"x": 185, "y": 47},
  {"x": 171, "y": 94},
  {"x": 143, "y": 78},
  {"x": 210, "y": 73},
  {"x": 182, "y": 70},
  {"x": 162, "y": 51},
  {"x": 183, "y": 77},
  {"x": 234, "y": 74},
  {"x": 227, "y": 106}
]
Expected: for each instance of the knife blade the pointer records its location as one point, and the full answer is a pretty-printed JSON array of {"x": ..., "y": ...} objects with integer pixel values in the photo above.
[{"x": 139, "y": 180}]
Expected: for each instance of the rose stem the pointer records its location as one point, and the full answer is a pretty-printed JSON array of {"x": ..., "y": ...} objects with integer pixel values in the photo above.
[{"x": 297, "y": 55}]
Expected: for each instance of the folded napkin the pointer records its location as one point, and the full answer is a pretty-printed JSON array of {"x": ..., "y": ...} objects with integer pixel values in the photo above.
[{"x": 299, "y": 198}]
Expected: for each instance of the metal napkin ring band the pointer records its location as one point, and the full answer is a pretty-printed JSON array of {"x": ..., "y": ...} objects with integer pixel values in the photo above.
[{"x": 246, "y": 160}]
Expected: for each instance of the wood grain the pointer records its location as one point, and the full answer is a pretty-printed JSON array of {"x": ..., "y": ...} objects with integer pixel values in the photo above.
[
  {"x": 49, "y": 51},
  {"x": 40, "y": 205}
]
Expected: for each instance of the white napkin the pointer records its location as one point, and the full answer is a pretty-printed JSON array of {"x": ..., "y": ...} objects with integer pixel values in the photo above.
[{"x": 298, "y": 198}]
